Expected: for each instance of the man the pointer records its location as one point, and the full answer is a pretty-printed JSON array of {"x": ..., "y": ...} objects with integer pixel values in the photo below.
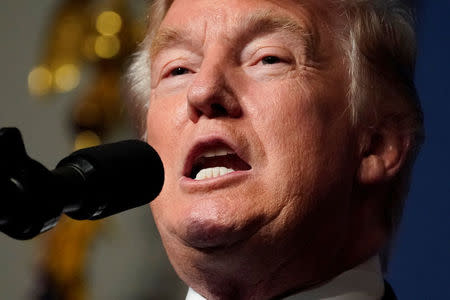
[{"x": 287, "y": 129}]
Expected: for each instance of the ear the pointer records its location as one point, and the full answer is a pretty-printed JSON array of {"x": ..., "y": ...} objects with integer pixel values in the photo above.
[{"x": 383, "y": 154}]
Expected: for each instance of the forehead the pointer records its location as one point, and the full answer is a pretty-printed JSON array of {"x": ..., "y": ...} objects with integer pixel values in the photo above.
[
  {"x": 209, "y": 19},
  {"x": 232, "y": 12}
]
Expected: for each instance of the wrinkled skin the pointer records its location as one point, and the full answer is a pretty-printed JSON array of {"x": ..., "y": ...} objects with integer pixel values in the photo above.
[{"x": 286, "y": 223}]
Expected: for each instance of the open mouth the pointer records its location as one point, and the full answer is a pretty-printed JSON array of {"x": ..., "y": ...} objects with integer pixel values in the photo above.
[{"x": 214, "y": 161}]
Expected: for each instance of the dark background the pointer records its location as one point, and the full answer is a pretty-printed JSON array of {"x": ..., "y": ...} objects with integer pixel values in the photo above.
[{"x": 420, "y": 266}]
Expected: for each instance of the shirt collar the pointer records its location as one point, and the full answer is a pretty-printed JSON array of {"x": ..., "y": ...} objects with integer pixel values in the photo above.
[{"x": 364, "y": 282}]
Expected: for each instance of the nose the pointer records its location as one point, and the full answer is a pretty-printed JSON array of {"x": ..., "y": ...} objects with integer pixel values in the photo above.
[{"x": 211, "y": 95}]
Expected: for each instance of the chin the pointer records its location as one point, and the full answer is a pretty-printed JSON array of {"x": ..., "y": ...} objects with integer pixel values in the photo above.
[
  {"x": 216, "y": 233},
  {"x": 208, "y": 233}
]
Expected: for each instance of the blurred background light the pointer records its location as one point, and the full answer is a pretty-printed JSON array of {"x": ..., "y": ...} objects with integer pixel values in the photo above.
[
  {"x": 109, "y": 23},
  {"x": 39, "y": 81},
  {"x": 67, "y": 77},
  {"x": 107, "y": 46}
]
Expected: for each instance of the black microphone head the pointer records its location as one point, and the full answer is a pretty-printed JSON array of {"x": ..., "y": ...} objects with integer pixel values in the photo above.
[{"x": 113, "y": 178}]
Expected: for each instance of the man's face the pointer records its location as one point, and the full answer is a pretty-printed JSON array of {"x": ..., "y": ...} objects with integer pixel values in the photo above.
[{"x": 249, "y": 113}]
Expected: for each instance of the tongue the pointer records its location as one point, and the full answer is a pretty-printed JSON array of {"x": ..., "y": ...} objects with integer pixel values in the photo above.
[{"x": 230, "y": 161}]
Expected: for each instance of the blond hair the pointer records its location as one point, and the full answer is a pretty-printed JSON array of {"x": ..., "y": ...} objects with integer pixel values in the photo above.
[{"x": 381, "y": 54}]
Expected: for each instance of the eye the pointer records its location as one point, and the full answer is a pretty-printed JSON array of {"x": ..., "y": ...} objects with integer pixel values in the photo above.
[
  {"x": 178, "y": 71},
  {"x": 270, "y": 60}
]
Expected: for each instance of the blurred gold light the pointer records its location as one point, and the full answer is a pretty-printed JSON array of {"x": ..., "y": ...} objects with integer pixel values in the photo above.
[
  {"x": 86, "y": 139},
  {"x": 107, "y": 46},
  {"x": 109, "y": 23},
  {"x": 67, "y": 77},
  {"x": 39, "y": 81}
]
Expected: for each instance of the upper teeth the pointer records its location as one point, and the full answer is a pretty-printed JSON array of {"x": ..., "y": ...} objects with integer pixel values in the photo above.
[{"x": 217, "y": 152}]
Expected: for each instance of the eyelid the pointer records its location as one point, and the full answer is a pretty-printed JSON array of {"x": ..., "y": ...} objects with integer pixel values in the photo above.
[
  {"x": 283, "y": 54},
  {"x": 168, "y": 72},
  {"x": 167, "y": 68},
  {"x": 173, "y": 57}
]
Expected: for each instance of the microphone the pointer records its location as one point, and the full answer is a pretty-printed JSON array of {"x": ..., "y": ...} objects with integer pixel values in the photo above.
[{"x": 89, "y": 184}]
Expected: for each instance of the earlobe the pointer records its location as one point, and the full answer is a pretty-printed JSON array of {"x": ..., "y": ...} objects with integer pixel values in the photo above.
[{"x": 384, "y": 155}]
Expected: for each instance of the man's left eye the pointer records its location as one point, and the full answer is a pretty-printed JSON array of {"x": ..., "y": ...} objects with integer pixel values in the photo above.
[{"x": 270, "y": 60}]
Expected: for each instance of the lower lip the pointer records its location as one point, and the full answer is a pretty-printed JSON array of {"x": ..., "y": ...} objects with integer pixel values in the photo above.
[{"x": 191, "y": 185}]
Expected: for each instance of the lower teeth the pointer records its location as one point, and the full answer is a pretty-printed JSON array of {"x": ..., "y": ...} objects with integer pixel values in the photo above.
[{"x": 212, "y": 172}]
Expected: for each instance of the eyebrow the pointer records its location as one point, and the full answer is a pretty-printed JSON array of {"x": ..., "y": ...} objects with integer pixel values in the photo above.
[
  {"x": 166, "y": 38},
  {"x": 266, "y": 21},
  {"x": 259, "y": 23}
]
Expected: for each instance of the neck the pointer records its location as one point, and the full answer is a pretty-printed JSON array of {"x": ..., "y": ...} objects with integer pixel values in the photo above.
[
  {"x": 255, "y": 279},
  {"x": 364, "y": 282}
]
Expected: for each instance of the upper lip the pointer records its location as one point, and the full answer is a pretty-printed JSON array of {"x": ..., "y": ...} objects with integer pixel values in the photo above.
[{"x": 207, "y": 143}]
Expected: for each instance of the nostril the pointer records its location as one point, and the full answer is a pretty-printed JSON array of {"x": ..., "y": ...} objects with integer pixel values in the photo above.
[{"x": 218, "y": 110}]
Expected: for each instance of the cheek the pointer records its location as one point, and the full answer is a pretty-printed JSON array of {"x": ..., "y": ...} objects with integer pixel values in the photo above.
[
  {"x": 165, "y": 116},
  {"x": 299, "y": 109},
  {"x": 165, "y": 120},
  {"x": 288, "y": 116},
  {"x": 303, "y": 132}
]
